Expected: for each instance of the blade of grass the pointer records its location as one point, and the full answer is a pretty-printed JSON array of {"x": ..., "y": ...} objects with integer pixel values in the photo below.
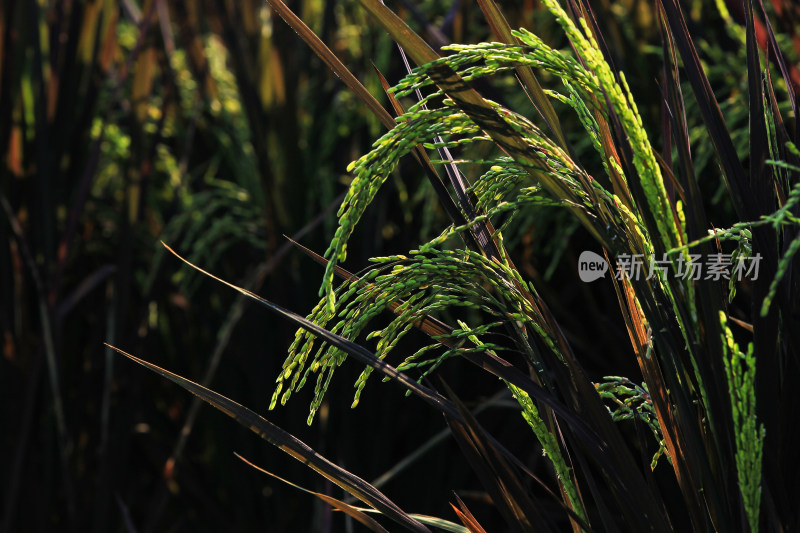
[
  {"x": 499, "y": 481},
  {"x": 695, "y": 215},
  {"x": 466, "y": 516},
  {"x": 782, "y": 65},
  {"x": 441, "y": 523},
  {"x": 332, "y": 61},
  {"x": 223, "y": 338},
  {"x": 709, "y": 108},
  {"x": 290, "y": 445},
  {"x": 760, "y": 182},
  {"x": 353, "y": 512}
]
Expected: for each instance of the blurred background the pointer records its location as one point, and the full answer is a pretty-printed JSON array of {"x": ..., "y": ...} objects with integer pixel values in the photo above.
[{"x": 209, "y": 125}]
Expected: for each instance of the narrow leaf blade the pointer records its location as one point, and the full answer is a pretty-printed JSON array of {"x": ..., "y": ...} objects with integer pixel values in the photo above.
[{"x": 289, "y": 444}]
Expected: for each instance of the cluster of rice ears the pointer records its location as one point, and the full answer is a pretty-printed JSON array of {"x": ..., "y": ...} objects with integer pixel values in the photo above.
[{"x": 717, "y": 415}]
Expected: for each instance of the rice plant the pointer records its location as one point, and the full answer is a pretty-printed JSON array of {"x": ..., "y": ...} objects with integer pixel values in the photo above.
[{"x": 710, "y": 421}]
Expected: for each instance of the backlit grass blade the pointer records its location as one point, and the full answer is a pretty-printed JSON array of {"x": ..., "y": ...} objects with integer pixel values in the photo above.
[
  {"x": 332, "y": 61},
  {"x": 760, "y": 182},
  {"x": 506, "y": 491},
  {"x": 673, "y": 95},
  {"x": 789, "y": 73},
  {"x": 351, "y": 511},
  {"x": 290, "y": 445},
  {"x": 466, "y": 516}
]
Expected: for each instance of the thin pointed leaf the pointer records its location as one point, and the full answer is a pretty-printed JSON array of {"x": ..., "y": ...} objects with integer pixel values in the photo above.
[
  {"x": 351, "y": 511},
  {"x": 289, "y": 444},
  {"x": 332, "y": 61},
  {"x": 709, "y": 108},
  {"x": 673, "y": 100},
  {"x": 360, "y": 513},
  {"x": 758, "y": 128},
  {"x": 786, "y": 74},
  {"x": 499, "y": 481},
  {"x": 466, "y": 516},
  {"x": 441, "y": 523}
]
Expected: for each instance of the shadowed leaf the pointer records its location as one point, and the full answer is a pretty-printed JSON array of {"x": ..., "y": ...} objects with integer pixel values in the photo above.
[
  {"x": 351, "y": 511},
  {"x": 709, "y": 108},
  {"x": 500, "y": 482},
  {"x": 289, "y": 444},
  {"x": 332, "y": 61}
]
